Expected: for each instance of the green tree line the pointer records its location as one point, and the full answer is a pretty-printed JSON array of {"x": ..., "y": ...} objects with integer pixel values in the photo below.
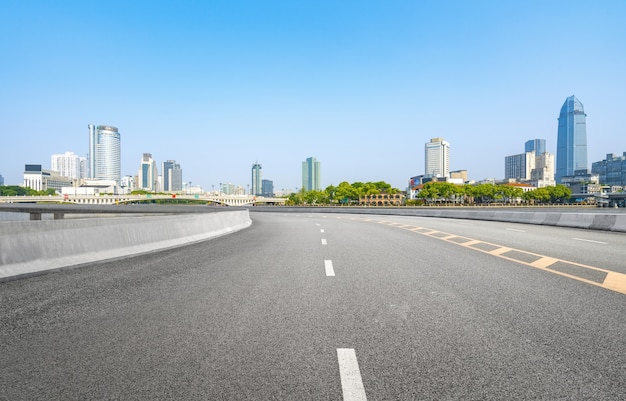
[
  {"x": 433, "y": 193},
  {"x": 445, "y": 192},
  {"x": 14, "y": 190},
  {"x": 342, "y": 194}
]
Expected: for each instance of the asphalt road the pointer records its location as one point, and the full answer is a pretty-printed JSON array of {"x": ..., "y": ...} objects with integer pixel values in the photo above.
[{"x": 338, "y": 307}]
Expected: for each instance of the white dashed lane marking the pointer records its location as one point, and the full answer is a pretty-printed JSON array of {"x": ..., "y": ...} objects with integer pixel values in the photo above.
[
  {"x": 328, "y": 265},
  {"x": 351, "y": 383}
]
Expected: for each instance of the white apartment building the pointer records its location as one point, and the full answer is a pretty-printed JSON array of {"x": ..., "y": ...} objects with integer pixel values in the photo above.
[
  {"x": 69, "y": 165},
  {"x": 437, "y": 158}
]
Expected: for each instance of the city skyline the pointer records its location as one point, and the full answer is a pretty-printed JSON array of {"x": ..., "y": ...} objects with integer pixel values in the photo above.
[{"x": 244, "y": 81}]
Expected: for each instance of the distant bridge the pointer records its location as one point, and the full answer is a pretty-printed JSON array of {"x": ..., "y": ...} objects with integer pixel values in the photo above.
[{"x": 227, "y": 200}]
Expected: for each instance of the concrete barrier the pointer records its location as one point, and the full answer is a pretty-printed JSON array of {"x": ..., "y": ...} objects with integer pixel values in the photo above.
[
  {"x": 594, "y": 219},
  {"x": 27, "y": 247}
]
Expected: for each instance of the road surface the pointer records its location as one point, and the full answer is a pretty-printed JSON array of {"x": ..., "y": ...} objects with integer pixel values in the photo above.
[{"x": 330, "y": 307}]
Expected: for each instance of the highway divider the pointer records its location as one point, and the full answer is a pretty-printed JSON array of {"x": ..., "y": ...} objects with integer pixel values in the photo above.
[
  {"x": 608, "y": 220},
  {"x": 29, "y": 247}
]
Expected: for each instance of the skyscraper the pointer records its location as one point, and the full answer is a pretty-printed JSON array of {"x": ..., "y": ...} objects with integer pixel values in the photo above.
[
  {"x": 437, "y": 158},
  {"x": 535, "y": 145},
  {"x": 311, "y": 175},
  {"x": 571, "y": 148},
  {"x": 256, "y": 179},
  {"x": 147, "y": 175},
  {"x": 104, "y": 153},
  {"x": 172, "y": 176}
]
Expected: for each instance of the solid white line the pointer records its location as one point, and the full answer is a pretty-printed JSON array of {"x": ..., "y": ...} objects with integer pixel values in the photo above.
[
  {"x": 318, "y": 224},
  {"x": 321, "y": 230},
  {"x": 324, "y": 241},
  {"x": 328, "y": 265},
  {"x": 590, "y": 240},
  {"x": 351, "y": 382},
  {"x": 517, "y": 231}
]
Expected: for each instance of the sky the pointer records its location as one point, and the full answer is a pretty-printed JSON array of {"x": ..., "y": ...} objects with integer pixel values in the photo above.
[{"x": 360, "y": 85}]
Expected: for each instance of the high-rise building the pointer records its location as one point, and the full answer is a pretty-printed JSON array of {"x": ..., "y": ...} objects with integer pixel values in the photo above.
[
  {"x": 311, "y": 175},
  {"x": 256, "y": 179},
  {"x": 538, "y": 146},
  {"x": 519, "y": 166},
  {"x": 267, "y": 188},
  {"x": 104, "y": 153},
  {"x": 172, "y": 176},
  {"x": 612, "y": 170},
  {"x": 571, "y": 148},
  {"x": 68, "y": 165},
  {"x": 1, "y": 180},
  {"x": 437, "y": 158},
  {"x": 147, "y": 178}
]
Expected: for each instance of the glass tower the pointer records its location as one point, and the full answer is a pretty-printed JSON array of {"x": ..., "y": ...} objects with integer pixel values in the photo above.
[
  {"x": 571, "y": 148},
  {"x": 311, "y": 175},
  {"x": 256, "y": 179},
  {"x": 104, "y": 153},
  {"x": 536, "y": 145}
]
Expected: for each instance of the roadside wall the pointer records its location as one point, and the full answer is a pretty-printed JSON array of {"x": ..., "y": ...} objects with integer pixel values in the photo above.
[
  {"x": 27, "y": 247},
  {"x": 597, "y": 220}
]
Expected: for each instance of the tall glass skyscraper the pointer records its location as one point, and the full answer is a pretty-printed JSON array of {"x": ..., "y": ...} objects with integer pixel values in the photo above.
[
  {"x": 571, "y": 147},
  {"x": 104, "y": 153},
  {"x": 256, "y": 179},
  {"x": 311, "y": 175}
]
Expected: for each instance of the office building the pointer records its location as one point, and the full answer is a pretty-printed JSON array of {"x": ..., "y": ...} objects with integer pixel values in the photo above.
[
  {"x": 611, "y": 171},
  {"x": 311, "y": 175},
  {"x": 267, "y": 188},
  {"x": 535, "y": 166},
  {"x": 104, "y": 153},
  {"x": 147, "y": 178},
  {"x": 1, "y": 180},
  {"x": 519, "y": 166},
  {"x": 256, "y": 188},
  {"x": 172, "y": 176},
  {"x": 571, "y": 149},
  {"x": 437, "y": 158},
  {"x": 538, "y": 146},
  {"x": 68, "y": 165},
  {"x": 41, "y": 180}
]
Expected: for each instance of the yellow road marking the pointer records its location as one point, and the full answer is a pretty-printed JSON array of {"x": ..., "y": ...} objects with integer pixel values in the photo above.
[
  {"x": 613, "y": 281},
  {"x": 499, "y": 251}
]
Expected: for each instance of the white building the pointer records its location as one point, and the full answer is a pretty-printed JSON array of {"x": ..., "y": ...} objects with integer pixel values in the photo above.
[
  {"x": 68, "y": 165},
  {"x": 437, "y": 158},
  {"x": 104, "y": 153},
  {"x": 147, "y": 177}
]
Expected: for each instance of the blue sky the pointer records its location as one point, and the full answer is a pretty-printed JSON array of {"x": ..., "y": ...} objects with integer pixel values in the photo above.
[{"x": 359, "y": 85}]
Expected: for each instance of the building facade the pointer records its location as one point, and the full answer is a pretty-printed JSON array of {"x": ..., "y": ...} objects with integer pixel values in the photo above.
[
  {"x": 571, "y": 149},
  {"x": 68, "y": 165},
  {"x": 612, "y": 170},
  {"x": 519, "y": 167},
  {"x": 172, "y": 176},
  {"x": 147, "y": 177},
  {"x": 437, "y": 158},
  {"x": 256, "y": 188},
  {"x": 104, "y": 153},
  {"x": 311, "y": 175},
  {"x": 41, "y": 180},
  {"x": 538, "y": 146},
  {"x": 267, "y": 188}
]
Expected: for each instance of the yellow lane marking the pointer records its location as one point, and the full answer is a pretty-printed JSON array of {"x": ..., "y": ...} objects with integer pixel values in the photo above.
[
  {"x": 544, "y": 262},
  {"x": 613, "y": 281},
  {"x": 499, "y": 251}
]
